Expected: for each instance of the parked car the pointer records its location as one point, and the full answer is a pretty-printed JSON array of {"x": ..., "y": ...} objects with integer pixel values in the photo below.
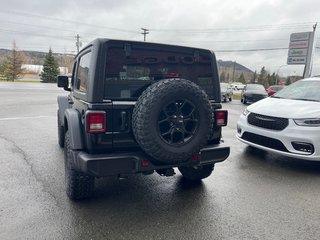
[
  {"x": 287, "y": 123},
  {"x": 226, "y": 92},
  {"x": 253, "y": 93},
  {"x": 237, "y": 86},
  {"x": 274, "y": 88}
]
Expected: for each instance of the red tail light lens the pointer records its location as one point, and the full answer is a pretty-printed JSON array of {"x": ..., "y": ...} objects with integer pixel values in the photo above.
[
  {"x": 145, "y": 163},
  {"x": 221, "y": 118},
  {"x": 96, "y": 122}
]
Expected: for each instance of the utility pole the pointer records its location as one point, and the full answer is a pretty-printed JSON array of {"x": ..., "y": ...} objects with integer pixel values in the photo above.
[
  {"x": 234, "y": 69},
  {"x": 78, "y": 43},
  {"x": 308, "y": 66},
  {"x": 144, "y": 33},
  {"x": 278, "y": 71}
]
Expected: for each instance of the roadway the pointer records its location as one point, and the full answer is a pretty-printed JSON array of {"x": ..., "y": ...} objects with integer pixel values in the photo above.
[{"x": 251, "y": 195}]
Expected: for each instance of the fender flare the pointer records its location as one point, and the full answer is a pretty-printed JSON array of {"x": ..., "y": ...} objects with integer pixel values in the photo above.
[
  {"x": 72, "y": 123},
  {"x": 63, "y": 104}
]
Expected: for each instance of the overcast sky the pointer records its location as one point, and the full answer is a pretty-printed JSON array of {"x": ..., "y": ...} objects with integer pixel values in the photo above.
[{"x": 252, "y": 33}]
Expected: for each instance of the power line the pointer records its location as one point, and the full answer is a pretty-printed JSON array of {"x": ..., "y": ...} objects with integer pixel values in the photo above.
[
  {"x": 238, "y": 29},
  {"x": 59, "y": 50},
  {"x": 181, "y": 30},
  {"x": 47, "y": 27},
  {"x": 147, "y": 31},
  {"x": 252, "y": 50},
  {"x": 34, "y": 34},
  {"x": 228, "y": 41},
  {"x": 64, "y": 20}
]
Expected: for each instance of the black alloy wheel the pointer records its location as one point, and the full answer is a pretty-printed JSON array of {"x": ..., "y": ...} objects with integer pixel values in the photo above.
[{"x": 178, "y": 122}]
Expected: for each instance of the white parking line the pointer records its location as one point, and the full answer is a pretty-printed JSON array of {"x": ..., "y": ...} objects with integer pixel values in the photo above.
[{"x": 22, "y": 118}]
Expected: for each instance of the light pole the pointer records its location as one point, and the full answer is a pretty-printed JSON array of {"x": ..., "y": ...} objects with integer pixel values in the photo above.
[{"x": 278, "y": 73}]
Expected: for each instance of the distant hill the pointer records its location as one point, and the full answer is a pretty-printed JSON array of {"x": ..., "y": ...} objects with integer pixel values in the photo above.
[
  {"x": 66, "y": 60},
  {"x": 228, "y": 67}
]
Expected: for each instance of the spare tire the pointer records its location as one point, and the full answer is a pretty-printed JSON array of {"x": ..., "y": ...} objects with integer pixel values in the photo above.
[{"x": 172, "y": 120}]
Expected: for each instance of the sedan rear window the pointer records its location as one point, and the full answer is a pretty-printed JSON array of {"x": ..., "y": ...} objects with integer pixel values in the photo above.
[{"x": 255, "y": 87}]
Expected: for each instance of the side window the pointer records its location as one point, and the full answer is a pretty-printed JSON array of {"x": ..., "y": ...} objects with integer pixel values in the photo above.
[{"x": 83, "y": 72}]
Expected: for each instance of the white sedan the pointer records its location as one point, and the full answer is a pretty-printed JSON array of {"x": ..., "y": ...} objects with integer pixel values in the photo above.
[{"x": 287, "y": 123}]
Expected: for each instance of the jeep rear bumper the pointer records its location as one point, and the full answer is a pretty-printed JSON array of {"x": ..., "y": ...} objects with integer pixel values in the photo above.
[{"x": 101, "y": 165}]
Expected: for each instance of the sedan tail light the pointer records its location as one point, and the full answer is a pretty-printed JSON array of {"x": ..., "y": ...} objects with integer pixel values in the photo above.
[
  {"x": 95, "y": 122},
  {"x": 221, "y": 118}
]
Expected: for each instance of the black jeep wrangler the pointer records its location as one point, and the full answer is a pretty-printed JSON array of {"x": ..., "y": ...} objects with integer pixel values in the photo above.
[{"x": 137, "y": 107}]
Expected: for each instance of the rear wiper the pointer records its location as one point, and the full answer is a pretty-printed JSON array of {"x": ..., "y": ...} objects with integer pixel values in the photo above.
[{"x": 275, "y": 96}]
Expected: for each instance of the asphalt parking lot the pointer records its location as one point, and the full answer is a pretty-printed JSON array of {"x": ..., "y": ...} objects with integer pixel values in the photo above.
[{"x": 251, "y": 195}]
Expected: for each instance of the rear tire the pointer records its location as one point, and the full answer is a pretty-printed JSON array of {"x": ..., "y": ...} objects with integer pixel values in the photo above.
[
  {"x": 196, "y": 174},
  {"x": 172, "y": 120},
  {"x": 78, "y": 185},
  {"x": 244, "y": 100}
]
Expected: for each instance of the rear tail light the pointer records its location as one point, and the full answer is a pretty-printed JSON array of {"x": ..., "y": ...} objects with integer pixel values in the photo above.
[
  {"x": 221, "y": 118},
  {"x": 96, "y": 122},
  {"x": 145, "y": 163}
]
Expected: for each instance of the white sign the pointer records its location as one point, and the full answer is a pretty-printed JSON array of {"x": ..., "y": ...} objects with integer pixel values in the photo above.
[
  {"x": 297, "y": 60},
  {"x": 299, "y": 36},
  {"x": 296, "y": 52},
  {"x": 299, "y": 47}
]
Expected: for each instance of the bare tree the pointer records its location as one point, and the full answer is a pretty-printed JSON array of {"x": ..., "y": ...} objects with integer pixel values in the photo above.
[{"x": 12, "y": 64}]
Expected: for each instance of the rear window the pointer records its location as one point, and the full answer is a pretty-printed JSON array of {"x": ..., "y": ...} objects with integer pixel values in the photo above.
[
  {"x": 129, "y": 74},
  {"x": 277, "y": 88},
  {"x": 255, "y": 87}
]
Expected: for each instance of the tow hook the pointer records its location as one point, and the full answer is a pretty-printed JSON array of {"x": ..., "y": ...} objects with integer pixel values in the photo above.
[{"x": 168, "y": 172}]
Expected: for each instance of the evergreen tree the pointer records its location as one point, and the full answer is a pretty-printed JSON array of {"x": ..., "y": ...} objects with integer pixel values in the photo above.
[
  {"x": 242, "y": 79},
  {"x": 223, "y": 77},
  {"x": 11, "y": 68},
  {"x": 228, "y": 77},
  {"x": 262, "y": 76},
  {"x": 288, "y": 81},
  {"x": 254, "y": 77},
  {"x": 50, "y": 69},
  {"x": 273, "y": 79},
  {"x": 2, "y": 77}
]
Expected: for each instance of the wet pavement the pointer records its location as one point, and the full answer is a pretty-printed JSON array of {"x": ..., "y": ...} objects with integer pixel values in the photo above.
[{"x": 251, "y": 195}]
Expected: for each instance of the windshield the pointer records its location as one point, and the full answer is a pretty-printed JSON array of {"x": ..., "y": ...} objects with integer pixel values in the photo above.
[
  {"x": 128, "y": 75},
  {"x": 255, "y": 87},
  {"x": 308, "y": 90}
]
